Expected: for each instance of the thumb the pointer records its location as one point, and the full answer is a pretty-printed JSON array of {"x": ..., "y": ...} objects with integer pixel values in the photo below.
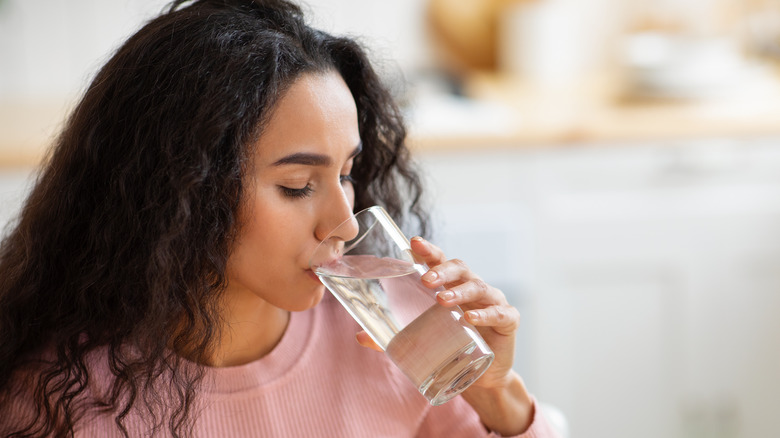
[{"x": 365, "y": 340}]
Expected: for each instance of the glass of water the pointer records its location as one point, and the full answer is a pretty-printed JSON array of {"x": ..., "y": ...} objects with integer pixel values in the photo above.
[{"x": 376, "y": 278}]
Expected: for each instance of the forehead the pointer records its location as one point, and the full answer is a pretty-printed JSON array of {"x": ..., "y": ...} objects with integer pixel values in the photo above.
[{"x": 317, "y": 115}]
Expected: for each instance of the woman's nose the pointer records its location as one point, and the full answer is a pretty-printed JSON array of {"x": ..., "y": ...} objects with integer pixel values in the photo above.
[{"x": 337, "y": 219}]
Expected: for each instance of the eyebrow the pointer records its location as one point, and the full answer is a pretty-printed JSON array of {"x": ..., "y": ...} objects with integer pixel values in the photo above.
[{"x": 309, "y": 159}]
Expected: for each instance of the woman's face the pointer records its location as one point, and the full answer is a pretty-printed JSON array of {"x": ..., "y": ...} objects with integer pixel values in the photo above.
[{"x": 297, "y": 192}]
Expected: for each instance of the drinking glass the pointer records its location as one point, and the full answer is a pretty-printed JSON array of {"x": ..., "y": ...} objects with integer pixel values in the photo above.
[{"x": 368, "y": 265}]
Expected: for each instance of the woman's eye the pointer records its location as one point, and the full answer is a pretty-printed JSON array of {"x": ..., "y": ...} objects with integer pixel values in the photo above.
[
  {"x": 297, "y": 193},
  {"x": 346, "y": 179}
]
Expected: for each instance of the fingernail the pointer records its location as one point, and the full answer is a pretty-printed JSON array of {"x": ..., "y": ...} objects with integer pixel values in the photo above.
[
  {"x": 474, "y": 315},
  {"x": 447, "y": 295},
  {"x": 418, "y": 239},
  {"x": 430, "y": 276}
]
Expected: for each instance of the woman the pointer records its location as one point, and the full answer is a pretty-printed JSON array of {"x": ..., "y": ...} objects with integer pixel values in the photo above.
[{"x": 156, "y": 281}]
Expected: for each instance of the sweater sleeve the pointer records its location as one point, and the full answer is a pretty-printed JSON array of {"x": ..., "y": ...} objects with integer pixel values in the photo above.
[{"x": 457, "y": 419}]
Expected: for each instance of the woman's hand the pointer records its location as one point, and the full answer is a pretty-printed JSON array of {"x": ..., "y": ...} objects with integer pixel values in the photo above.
[
  {"x": 499, "y": 396},
  {"x": 485, "y": 307}
]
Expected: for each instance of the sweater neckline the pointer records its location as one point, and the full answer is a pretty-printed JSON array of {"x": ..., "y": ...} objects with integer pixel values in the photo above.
[{"x": 292, "y": 348}]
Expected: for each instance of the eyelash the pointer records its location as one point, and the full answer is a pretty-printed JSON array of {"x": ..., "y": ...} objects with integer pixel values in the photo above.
[
  {"x": 297, "y": 193},
  {"x": 307, "y": 190}
]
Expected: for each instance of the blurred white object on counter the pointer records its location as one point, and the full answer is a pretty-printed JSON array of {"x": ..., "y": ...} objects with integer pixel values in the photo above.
[
  {"x": 677, "y": 66},
  {"x": 448, "y": 115}
]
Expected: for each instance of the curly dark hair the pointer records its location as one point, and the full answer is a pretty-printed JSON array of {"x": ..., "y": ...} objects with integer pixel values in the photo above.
[{"x": 121, "y": 247}]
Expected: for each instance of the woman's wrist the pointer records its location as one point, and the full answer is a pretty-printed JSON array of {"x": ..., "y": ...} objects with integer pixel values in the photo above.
[{"x": 506, "y": 410}]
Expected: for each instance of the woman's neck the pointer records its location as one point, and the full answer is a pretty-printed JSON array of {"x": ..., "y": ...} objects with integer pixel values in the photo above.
[{"x": 252, "y": 328}]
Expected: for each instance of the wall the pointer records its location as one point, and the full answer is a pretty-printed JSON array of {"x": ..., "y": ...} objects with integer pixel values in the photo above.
[{"x": 49, "y": 49}]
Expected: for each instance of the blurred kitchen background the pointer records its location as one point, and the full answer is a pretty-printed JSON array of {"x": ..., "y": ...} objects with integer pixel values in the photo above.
[{"x": 612, "y": 165}]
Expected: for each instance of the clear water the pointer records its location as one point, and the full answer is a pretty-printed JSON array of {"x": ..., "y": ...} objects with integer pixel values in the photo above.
[
  {"x": 370, "y": 288},
  {"x": 434, "y": 346}
]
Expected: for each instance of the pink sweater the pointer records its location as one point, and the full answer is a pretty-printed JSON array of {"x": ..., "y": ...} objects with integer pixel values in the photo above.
[{"x": 318, "y": 382}]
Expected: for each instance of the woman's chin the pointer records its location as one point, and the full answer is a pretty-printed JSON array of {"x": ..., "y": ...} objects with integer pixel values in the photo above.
[{"x": 311, "y": 300}]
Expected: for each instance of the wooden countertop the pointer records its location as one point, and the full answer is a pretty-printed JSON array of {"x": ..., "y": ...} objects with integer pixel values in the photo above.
[
  {"x": 28, "y": 128},
  {"x": 533, "y": 116},
  {"x": 599, "y": 113}
]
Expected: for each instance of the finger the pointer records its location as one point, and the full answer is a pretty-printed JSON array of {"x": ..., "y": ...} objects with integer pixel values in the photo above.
[
  {"x": 426, "y": 252},
  {"x": 475, "y": 292},
  {"x": 504, "y": 320},
  {"x": 448, "y": 274},
  {"x": 365, "y": 340}
]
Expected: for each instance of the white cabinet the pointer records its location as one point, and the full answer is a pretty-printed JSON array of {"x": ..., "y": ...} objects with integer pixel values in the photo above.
[{"x": 648, "y": 277}]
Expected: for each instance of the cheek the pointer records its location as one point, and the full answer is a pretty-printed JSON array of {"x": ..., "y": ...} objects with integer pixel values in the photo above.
[
  {"x": 264, "y": 255},
  {"x": 262, "y": 241}
]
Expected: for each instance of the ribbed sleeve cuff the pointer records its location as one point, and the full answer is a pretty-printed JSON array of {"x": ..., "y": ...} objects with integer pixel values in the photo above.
[{"x": 539, "y": 428}]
